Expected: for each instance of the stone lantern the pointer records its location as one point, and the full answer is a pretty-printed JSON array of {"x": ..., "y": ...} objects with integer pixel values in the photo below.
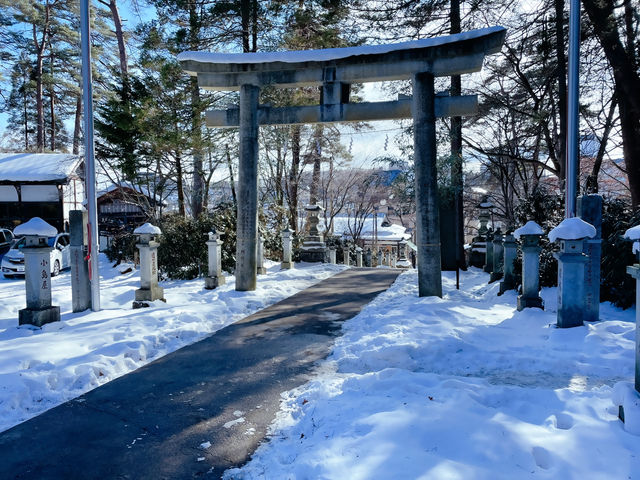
[
  {"x": 379, "y": 258},
  {"x": 37, "y": 273},
  {"x": 214, "y": 277},
  {"x": 149, "y": 290},
  {"x": 358, "y": 256},
  {"x": 572, "y": 307},
  {"x": 313, "y": 248},
  {"x": 529, "y": 234},
  {"x": 510, "y": 248},
  {"x": 479, "y": 242},
  {"x": 498, "y": 256},
  {"x": 633, "y": 234},
  {"x": 368, "y": 258},
  {"x": 287, "y": 249},
  {"x": 403, "y": 261}
]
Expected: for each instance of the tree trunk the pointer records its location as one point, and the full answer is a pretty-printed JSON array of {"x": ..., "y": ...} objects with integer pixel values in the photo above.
[
  {"x": 180, "y": 186},
  {"x": 77, "y": 124},
  {"x": 196, "y": 120},
  {"x": 627, "y": 87},
  {"x": 52, "y": 111},
  {"x": 561, "y": 75},
  {"x": 245, "y": 18},
  {"x": 293, "y": 177},
  {"x": 231, "y": 179}
]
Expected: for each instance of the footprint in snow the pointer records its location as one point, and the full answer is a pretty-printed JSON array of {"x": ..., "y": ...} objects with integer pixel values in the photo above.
[{"x": 542, "y": 457}]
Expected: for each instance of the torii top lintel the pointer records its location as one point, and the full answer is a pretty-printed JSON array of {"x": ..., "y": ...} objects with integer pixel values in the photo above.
[{"x": 441, "y": 56}]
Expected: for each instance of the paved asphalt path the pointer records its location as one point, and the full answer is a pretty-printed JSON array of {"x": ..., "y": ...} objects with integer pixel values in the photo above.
[{"x": 150, "y": 423}]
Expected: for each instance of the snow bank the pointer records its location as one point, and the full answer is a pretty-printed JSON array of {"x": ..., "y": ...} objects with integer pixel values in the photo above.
[
  {"x": 572, "y": 229},
  {"x": 529, "y": 228},
  {"x": 41, "y": 368},
  {"x": 633, "y": 233},
  {"x": 35, "y": 226},
  {"x": 463, "y": 387}
]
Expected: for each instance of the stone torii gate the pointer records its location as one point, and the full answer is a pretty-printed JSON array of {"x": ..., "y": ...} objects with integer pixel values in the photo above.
[{"x": 335, "y": 70}]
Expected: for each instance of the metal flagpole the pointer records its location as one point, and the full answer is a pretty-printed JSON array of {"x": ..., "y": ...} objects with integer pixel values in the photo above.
[
  {"x": 89, "y": 158},
  {"x": 572, "y": 159}
]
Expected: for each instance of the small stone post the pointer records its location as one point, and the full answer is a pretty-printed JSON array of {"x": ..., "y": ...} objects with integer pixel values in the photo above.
[
  {"x": 634, "y": 235},
  {"x": 37, "y": 272},
  {"x": 529, "y": 235},
  {"x": 571, "y": 265},
  {"x": 367, "y": 258},
  {"x": 345, "y": 254},
  {"x": 287, "y": 249},
  {"x": 80, "y": 285},
  {"x": 393, "y": 260},
  {"x": 332, "y": 255},
  {"x": 149, "y": 290},
  {"x": 214, "y": 277},
  {"x": 488, "y": 262},
  {"x": 510, "y": 253},
  {"x": 589, "y": 209},
  {"x": 379, "y": 256},
  {"x": 387, "y": 258},
  {"x": 260, "y": 263},
  {"x": 358, "y": 257},
  {"x": 498, "y": 256}
]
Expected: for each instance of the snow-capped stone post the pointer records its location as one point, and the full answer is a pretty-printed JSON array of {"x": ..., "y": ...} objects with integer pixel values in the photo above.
[
  {"x": 498, "y": 256},
  {"x": 571, "y": 265},
  {"x": 80, "y": 284},
  {"x": 313, "y": 248},
  {"x": 379, "y": 257},
  {"x": 287, "y": 249},
  {"x": 589, "y": 209},
  {"x": 633, "y": 234},
  {"x": 332, "y": 255},
  {"x": 37, "y": 273},
  {"x": 346, "y": 249},
  {"x": 510, "y": 253},
  {"x": 214, "y": 277},
  {"x": 394, "y": 258},
  {"x": 387, "y": 258},
  {"x": 149, "y": 290},
  {"x": 529, "y": 234},
  {"x": 367, "y": 258},
  {"x": 260, "y": 262},
  {"x": 488, "y": 262},
  {"x": 358, "y": 256}
]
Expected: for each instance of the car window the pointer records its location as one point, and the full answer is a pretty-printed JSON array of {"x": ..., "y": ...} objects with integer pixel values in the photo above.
[
  {"x": 63, "y": 240},
  {"x": 51, "y": 241},
  {"x": 2, "y": 237},
  {"x": 20, "y": 243}
]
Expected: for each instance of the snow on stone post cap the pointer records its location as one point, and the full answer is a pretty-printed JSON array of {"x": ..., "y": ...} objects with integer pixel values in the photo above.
[
  {"x": 572, "y": 229},
  {"x": 35, "y": 227},
  {"x": 287, "y": 232},
  {"x": 147, "y": 229},
  {"x": 529, "y": 228},
  {"x": 633, "y": 233}
]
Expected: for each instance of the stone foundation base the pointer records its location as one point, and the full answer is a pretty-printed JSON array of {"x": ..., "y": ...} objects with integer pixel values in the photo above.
[
  {"x": 495, "y": 276},
  {"x": 504, "y": 287},
  {"x": 261, "y": 271},
  {"x": 38, "y": 318},
  {"x": 286, "y": 265},
  {"x": 313, "y": 256},
  {"x": 213, "y": 282},
  {"x": 148, "y": 295},
  {"x": 526, "y": 302}
]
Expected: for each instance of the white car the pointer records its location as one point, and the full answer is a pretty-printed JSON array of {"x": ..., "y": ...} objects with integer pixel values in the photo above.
[{"x": 13, "y": 261}]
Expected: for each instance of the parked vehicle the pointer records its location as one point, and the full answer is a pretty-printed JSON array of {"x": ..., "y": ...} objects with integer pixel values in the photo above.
[
  {"x": 6, "y": 240},
  {"x": 13, "y": 262}
]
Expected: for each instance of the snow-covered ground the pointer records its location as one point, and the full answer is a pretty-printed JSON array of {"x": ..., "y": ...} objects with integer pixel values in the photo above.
[
  {"x": 463, "y": 387},
  {"x": 41, "y": 368}
]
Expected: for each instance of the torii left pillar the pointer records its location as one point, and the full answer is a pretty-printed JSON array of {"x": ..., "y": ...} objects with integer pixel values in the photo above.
[
  {"x": 247, "y": 190},
  {"x": 427, "y": 212}
]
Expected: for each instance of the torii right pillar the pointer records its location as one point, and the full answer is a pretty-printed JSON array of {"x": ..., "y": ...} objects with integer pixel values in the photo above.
[{"x": 427, "y": 213}]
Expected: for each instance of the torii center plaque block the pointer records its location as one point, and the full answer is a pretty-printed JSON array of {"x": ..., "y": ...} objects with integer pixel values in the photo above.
[{"x": 334, "y": 70}]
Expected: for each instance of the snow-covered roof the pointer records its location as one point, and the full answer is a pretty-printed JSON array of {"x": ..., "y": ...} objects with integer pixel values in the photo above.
[
  {"x": 147, "y": 229},
  {"x": 529, "y": 228},
  {"x": 572, "y": 229},
  {"x": 328, "y": 54},
  {"x": 391, "y": 233},
  {"x": 35, "y": 226},
  {"x": 37, "y": 167}
]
